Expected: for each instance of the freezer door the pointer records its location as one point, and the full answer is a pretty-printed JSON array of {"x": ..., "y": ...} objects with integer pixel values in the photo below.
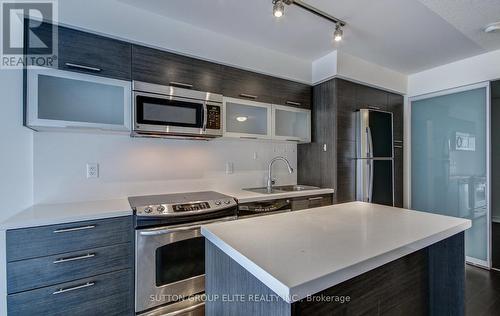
[
  {"x": 375, "y": 181},
  {"x": 374, "y": 137}
]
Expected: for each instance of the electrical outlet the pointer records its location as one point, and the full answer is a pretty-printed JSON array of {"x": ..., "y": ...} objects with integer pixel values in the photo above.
[
  {"x": 92, "y": 170},
  {"x": 229, "y": 167}
]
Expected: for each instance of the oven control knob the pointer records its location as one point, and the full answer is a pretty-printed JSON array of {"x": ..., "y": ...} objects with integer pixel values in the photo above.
[
  {"x": 148, "y": 210},
  {"x": 227, "y": 202},
  {"x": 218, "y": 202},
  {"x": 160, "y": 209}
]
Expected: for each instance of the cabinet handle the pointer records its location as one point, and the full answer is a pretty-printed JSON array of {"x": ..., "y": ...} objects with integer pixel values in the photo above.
[
  {"x": 315, "y": 198},
  {"x": 293, "y": 140},
  {"x": 398, "y": 141},
  {"x": 248, "y": 137},
  {"x": 82, "y": 67},
  {"x": 78, "y": 287},
  {"x": 398, "y": 146},
  {"x": 248, "y": 96},
  {"x": 293, "y": 103},
  {"x": 87, "y": 256},
  {"x": 66, "y": 230},
  {"x": 181, "y": 85},
  {"x": 374, "y": 107}
]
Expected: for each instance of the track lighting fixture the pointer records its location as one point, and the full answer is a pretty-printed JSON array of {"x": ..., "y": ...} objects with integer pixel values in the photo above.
[
  {"x": 278, "y": 8},
  {"x": 337, "y": 35}
]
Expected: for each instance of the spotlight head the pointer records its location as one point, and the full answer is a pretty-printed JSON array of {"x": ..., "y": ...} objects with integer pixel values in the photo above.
[
  {"x": 278, "y": 8},
  {"x": 337, "y": 35}
]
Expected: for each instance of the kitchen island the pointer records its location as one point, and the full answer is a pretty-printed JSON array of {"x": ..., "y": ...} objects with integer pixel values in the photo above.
[{"x": 354, "y": 258}]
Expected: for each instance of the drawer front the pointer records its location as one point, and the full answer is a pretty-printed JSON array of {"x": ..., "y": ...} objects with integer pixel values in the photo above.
[
  {"x": 160, "y": 67},
  {"x": 39, "y": 272},
  {"x": 88, "y": 53},
  {"x": 105, "y": 294},
  {"x": 311, "y": 202},
  {"x": 55, "y": 239}
]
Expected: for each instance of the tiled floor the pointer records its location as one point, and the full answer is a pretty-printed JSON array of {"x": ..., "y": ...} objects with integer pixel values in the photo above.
[{"x": 482, "y": 292}]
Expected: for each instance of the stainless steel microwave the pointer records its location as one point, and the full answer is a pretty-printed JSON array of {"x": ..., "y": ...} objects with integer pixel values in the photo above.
[{"x": 167, "y": 111}]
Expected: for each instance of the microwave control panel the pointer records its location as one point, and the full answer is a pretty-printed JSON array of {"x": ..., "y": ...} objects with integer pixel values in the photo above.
[{"x": 213, "y": 117}]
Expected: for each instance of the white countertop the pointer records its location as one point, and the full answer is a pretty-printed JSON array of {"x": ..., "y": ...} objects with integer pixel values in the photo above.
[
  {"x": 51, "y": 214},
  {"x": 302, "y": 253}
]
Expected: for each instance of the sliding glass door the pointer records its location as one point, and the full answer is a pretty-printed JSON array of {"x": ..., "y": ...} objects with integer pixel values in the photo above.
[{"x": 449, "y": 161}]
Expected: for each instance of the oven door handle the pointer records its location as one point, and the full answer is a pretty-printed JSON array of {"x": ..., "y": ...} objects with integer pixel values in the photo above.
[{"x": 165, "y": 231}]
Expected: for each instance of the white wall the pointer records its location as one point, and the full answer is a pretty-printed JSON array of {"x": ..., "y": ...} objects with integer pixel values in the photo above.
[
  {"x": 136, "y": 166},
  {"x": 16, "y": 142},
  {"x": 324, "y": 68},
  {"x": 357, "y": 69},
  {"x": 472, "y": 70},
  {"x": 16, "y": 160},
  {"x": 342, "y": 65}
]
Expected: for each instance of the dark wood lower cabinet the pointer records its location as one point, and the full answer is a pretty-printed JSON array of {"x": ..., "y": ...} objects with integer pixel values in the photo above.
[
  {"x": 306, "y": 202},
  {"x": 430, "y": 281},
  {"x": 80, "y": 268},
  {"x": 105, "y": 294}
]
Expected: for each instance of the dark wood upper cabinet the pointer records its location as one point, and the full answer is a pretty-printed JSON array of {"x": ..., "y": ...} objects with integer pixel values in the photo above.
[
  {"x": 160, "y": 67},
  {"x": 395, "y": 105},
  {"x": 292, "y": 93},
  {"x": 102, "y": 56},
  {"x": 86, "y": 52},
  {"x": 97, "y": 54},
  {"x": 239, "y": 83},
  {"x": 244, "y": 84},
  {"x": 368, "y": 97}
]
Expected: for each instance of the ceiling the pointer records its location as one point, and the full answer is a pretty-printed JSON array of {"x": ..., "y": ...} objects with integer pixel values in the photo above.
[{"x": 405, "y": 35}]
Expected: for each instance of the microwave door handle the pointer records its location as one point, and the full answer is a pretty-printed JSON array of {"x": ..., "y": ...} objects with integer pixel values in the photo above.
[{"x": 205, "y": 116}]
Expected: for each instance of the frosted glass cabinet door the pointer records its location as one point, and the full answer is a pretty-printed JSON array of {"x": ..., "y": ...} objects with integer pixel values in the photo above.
[
  {"x": 291, "y": 124},
  {"x": 66, "y": 99},
  {"x": 247, "y": 119},
  {"x": 449, "y": 165}
]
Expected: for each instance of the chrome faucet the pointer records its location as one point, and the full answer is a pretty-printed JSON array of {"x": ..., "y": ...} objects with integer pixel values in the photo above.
[{"x": 270, "y": 180}]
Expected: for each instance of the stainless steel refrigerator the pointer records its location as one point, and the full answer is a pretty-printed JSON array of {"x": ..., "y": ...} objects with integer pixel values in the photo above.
[{"x": 374, "y": 157}]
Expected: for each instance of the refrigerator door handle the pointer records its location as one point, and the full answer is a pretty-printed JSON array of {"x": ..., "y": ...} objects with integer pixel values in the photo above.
[
  {"x": 370, "y": 180},
  {"x": 369, "y": 154}
]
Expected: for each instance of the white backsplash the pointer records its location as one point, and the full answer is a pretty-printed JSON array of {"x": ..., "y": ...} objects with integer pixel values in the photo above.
[{"x": 137, "y": 166}]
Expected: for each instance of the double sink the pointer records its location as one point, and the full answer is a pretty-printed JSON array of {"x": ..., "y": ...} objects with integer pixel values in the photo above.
[{"x": 282, "y": 189}]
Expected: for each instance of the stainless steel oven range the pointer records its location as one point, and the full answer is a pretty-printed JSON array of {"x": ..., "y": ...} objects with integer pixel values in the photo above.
[{"x": 170, "y": 250}]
